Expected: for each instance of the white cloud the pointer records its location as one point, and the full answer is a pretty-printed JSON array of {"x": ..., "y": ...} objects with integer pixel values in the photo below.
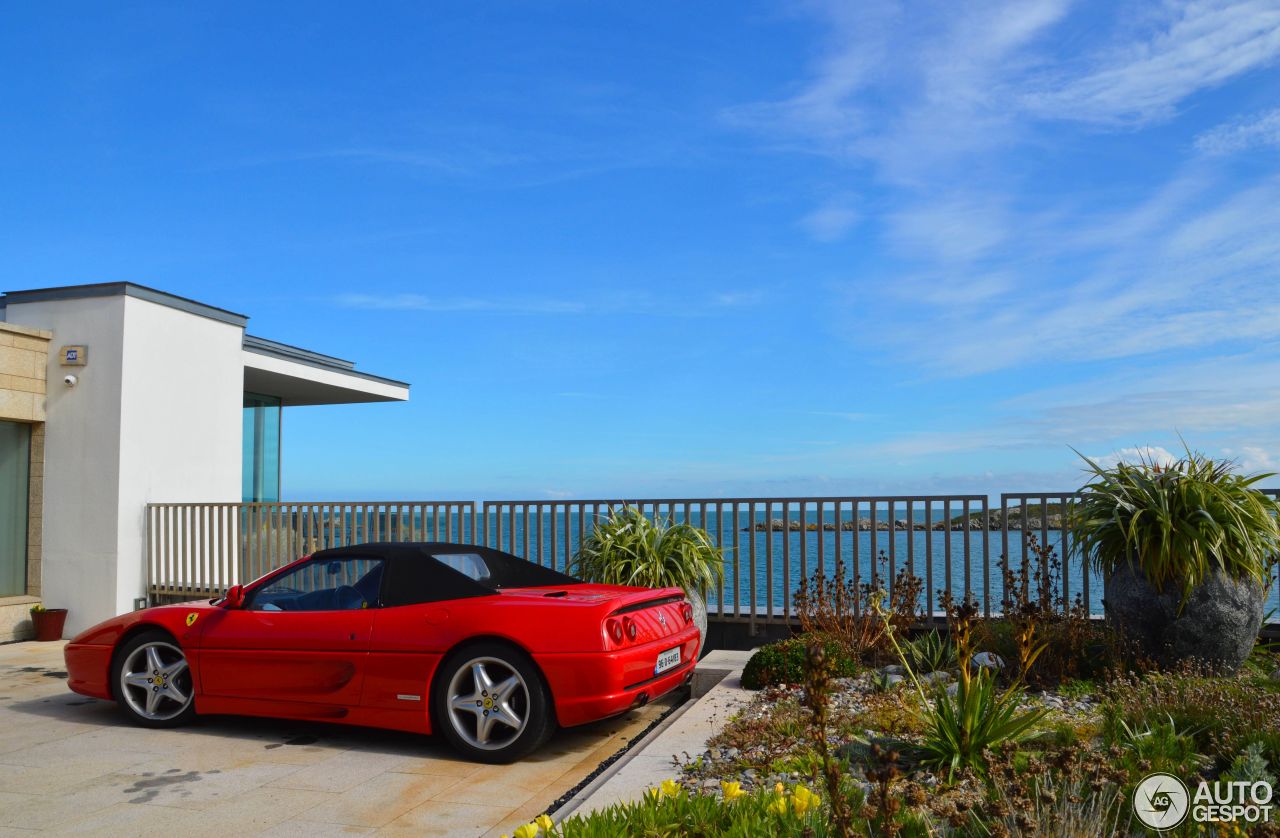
[
  {"x": 906, "y": 91},
  {"x": 1255, "y": 458},
  {"x": 1150, "y": 454},
  {"x": 1248, "y": 132},
  {"x": 958, "y": 229},
  {"x": 1194, "y": 267},
  {"x": 831, "y": 221},
  {"x": 1197, "y": 46}
]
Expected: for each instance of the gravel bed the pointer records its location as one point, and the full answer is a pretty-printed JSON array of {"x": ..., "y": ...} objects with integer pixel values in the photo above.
[{"x": 850, "y": 699}]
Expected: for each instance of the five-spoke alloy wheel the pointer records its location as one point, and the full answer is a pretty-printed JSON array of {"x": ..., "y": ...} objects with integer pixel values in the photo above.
[
  {"x": 490, "y": 702},
  {"x": 153, "y": 682}
]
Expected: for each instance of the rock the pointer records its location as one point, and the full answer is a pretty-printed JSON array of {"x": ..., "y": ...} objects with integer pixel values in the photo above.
[
  {"x": 938, "y": 677},
  {"x": 988, "y": 660},
  {"x": 954, "y": 688},
  {"x": 1217, "y": 626},
  {"x": 892, "y": 680},
  {"x": 894, "y": 669}
]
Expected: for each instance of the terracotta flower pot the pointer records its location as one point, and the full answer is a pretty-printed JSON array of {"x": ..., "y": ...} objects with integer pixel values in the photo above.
[{"x": 49, "y": 623}]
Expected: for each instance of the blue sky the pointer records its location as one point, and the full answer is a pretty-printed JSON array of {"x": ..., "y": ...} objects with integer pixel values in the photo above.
[{"x": 686, "y": 249}]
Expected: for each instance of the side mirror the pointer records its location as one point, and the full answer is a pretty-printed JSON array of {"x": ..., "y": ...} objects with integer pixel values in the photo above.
[{"x": 234, "y": 597}]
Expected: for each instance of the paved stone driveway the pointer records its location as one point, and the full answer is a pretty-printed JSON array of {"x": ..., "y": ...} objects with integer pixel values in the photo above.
[{"x": 73, "y": 765}]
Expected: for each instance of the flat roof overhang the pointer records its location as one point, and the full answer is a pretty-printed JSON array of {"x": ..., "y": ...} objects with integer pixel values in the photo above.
[{"x": 300, "y": 377}]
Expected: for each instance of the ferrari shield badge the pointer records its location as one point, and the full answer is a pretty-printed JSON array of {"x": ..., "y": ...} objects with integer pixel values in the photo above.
[{"x": 191, "y": 618}]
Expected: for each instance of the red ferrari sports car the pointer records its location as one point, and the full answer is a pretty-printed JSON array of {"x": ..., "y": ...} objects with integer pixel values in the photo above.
[{"x": 487, "y": 649}]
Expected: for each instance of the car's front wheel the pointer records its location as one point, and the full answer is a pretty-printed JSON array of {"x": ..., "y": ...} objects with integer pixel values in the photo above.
[
  {"x": 491, "y": 703},
  {"x": 153, "y": 681}
]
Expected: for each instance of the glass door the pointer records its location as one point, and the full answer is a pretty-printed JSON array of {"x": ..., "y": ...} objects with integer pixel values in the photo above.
[{"x": 15, "y": 462}]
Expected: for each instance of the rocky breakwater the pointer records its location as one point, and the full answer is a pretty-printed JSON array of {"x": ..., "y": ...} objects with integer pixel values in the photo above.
[{"x": 994, "y": 520}]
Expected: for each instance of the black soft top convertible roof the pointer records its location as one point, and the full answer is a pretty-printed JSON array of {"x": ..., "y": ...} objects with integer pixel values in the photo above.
[{"x": 414, "y": 574}]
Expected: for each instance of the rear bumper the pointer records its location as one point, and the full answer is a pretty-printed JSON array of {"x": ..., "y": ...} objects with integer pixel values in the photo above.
[{"x": 595, "y": 685}]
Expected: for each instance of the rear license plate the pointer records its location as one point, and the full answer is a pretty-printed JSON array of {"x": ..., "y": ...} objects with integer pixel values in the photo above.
[{"x": 667, "y": 659}]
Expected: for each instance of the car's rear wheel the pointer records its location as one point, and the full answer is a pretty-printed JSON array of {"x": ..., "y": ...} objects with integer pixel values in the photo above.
[
  {"x": 490, "y": 701},
  {"x": 152, "y": 681}
]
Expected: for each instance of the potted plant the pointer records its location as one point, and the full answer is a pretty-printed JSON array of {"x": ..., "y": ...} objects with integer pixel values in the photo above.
[
  {"x": 48, "y": 622},
  {"x": 629, "y": 548},
  {"x": 1186, "y": 551}
]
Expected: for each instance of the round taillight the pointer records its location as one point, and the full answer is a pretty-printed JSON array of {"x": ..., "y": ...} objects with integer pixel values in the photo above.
[
  {"x": 631, "y": 628},
  {"x": 615, "y": 631}
]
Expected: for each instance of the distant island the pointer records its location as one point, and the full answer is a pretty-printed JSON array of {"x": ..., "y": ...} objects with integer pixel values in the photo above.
[{"x": 1032, "y": 514}]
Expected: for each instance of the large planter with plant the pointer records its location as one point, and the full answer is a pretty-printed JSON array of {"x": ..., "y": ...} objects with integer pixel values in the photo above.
[
  {"x": 1185, "y": 550},
  {"x": 48, "y": 622},
  {"x": 630, "y": 548}
]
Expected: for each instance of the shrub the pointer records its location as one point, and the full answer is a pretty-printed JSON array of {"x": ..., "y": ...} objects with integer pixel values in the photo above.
[
  {"x": 1159, "y": 746},
  {"x": 1045, "y": 639},
  {"x": 959, "y": 729},
  {"x": 783, "y": 662},
  {"x": 1176, "y": 522},
  {"x": 628, "y": 548},
  {"x": 931, "y": 653},
  {"x": 1223, "y": 715},
  {"x": 1066, "y": 792},
  {"x": 794, "y": 811},
  {"x": 831, "y": 604}
]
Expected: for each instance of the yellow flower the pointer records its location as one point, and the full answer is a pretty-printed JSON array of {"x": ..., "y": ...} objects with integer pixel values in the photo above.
[
  {"x": 529, "y": 830},
  {"x": 670, "y": 788},
  {"x": 653, "y": 793},
  {"x": 545, "y": 823},
  {"x": 780, "y": 789},
  {"x": 732, "y": 791},
  {"x": 778, "y": 806},
  {"x": 803, "y": 800}
]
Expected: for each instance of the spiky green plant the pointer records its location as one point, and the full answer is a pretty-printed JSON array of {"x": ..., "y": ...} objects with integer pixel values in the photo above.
[
  {"x": 629, "y": 548},
  {"x": 931, "y": 652},
  {"x": 960, "y": 728},
  {"x": 1177, "y": 522}
]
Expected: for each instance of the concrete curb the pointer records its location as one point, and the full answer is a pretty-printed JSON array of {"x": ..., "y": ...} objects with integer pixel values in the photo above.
[{"x": 717, "y": 692}]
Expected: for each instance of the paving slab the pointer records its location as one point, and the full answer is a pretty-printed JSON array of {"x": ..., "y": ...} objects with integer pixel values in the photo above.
[{"x": 74, "y": 765}]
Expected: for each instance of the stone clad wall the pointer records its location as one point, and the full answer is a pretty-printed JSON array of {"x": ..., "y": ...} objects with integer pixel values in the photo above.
[{"x": 24, "y": 361}]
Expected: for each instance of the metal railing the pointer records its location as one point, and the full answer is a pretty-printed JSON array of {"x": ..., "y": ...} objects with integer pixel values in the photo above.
[
  {"x": 955, "y": 544},
  {"x": 201, "y": 549},
  {"x": 771, "y": 544}
]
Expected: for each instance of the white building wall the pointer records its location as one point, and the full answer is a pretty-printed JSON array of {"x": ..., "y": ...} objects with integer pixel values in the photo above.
[
  {"x": 155, "y": 417},
  {"x": 80, "y": 534},
  {"x": 182, "y": 397}
]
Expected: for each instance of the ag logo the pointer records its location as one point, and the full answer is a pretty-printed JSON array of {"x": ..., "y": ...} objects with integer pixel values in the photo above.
[
  {"x": 1161, "y": 801},
  {"x": 192, "y": 617}
]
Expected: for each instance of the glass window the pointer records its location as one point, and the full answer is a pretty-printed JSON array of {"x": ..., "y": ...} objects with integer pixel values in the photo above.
[
  {"x": 15, "y": 461},
  {"x": 468, "y": 564},
  {"x": 260, "y": 469},
  {"x": 332, "y": 585}
]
